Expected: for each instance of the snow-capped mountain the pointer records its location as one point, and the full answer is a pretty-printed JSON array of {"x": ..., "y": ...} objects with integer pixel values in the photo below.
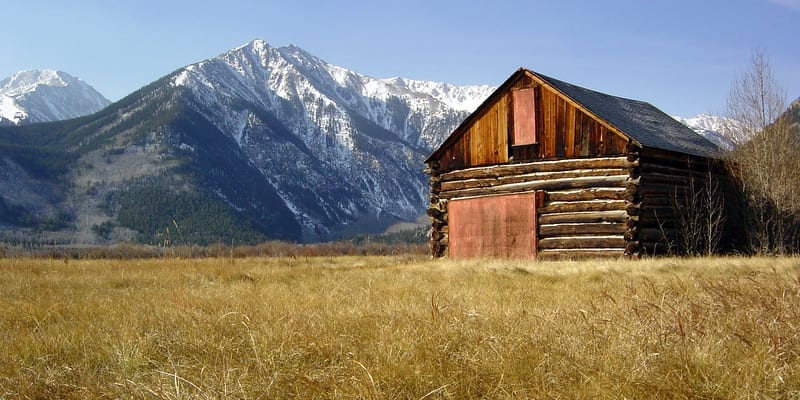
[
  {"x": 712, "y": 127},
  {"x": 269, "y": 77},
  {"x": 265, "y": 140},
  {"x": 32, "y": 96},
  {"x": 356, "y": 143}
]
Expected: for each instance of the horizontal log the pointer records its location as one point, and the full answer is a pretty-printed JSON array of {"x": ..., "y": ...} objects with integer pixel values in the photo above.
[
  {"x": 555, "y": 184},
  {"x": 496, "y": 171},
  {"x": 660, "y": 234},
  {"x": 679, "y": 201},
  {"x": 598, "y": 228},
  {"x": 588, "y": 205},
  {"x": 439, "y": 221},
  {"x": 632, "y": 208},
  {"x": 438, "y": 235},
  {"x": 436, "y": 213},
  {"x": 650, "y": 222},
  {"x": 670, "y": 170},
  {"x": 617, "y": 193},
  {"x": 652, "y": 177},
  {"x": 659, "y": 190},
  {"x": 573, "y": 254},
  {"x": 583, "y": 217},
  {"x": 656, "y": 248},
  {"x": 652, "y": 155},
  {"x": 582, "y": 242},
  {"x": 440, "y": 206},
  {"x": 470, "y": 183},
  {"x": 659, "y": 212}
]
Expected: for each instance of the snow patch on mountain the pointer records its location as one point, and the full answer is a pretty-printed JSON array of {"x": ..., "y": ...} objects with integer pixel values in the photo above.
[
  {"x": 27, "y": 81},
  {"x": 463, "y": 98},
  {"x": 11, "y": 111},
  {"x": 712, "y": 127},
  {"x": 46, "y": 95},
  {"x": 336, "y": 145}
]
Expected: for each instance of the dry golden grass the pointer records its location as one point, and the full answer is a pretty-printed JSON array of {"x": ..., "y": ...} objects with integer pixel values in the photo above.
[{"x": 400, "y": 327}]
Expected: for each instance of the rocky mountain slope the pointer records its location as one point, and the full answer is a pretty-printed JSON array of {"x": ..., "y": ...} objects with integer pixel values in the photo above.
[
  {"x": 257, "y": 143},
  {"x": 712, "y": 127},
  {"x": 33, "y": 96}
]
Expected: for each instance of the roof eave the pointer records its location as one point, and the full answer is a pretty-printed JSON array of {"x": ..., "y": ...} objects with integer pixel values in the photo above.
[{"x": 485, "y": 104}]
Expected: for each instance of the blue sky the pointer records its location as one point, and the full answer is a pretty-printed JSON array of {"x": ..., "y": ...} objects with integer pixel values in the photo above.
[{"x": 681, "y": 56}]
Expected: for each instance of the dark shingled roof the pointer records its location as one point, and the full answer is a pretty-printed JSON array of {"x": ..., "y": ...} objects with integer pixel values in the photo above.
[{"x": 641, "y": 121}]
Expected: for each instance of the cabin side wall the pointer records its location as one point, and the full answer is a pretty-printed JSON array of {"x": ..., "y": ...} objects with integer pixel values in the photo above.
[
  {"x": 586, "y": 210},
  {"x": 682, "y": 202}
]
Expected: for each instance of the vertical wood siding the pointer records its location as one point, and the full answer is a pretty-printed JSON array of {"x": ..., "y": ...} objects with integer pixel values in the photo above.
[{"x": 562, "y": 131}]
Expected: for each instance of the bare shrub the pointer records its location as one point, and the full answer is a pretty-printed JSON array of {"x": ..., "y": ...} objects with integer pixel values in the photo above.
[
  {"x": 765, "y": 162},
  {"x": 701, "y": 215}
]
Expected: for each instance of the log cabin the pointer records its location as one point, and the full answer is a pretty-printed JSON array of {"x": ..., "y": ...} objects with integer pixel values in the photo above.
[{"x": 544, "y": 168}]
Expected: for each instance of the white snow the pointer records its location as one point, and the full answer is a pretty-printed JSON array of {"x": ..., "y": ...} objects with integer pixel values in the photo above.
[
  {"x": 712, "y": 127},
  {"x": 21, "y": 97},
  {"x": 326, "y": 107},
  {"x": 182, "y": 77},
  {"x": 10, "y": 110},
  {"x": 28, "y": 80}
]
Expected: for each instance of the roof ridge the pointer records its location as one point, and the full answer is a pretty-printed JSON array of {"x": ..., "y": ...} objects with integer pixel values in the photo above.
[{"x": 640, "y": 120}]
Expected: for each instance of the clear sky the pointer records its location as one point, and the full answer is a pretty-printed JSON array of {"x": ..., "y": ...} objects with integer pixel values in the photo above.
[{"x": 681, "y": 56}]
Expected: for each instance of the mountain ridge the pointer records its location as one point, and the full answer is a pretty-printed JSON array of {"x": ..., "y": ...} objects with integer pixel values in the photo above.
[
  {"x": 710, "y": 126},
  {"x": 256, "y": 143},
  {"x": 32, "y": 96}
]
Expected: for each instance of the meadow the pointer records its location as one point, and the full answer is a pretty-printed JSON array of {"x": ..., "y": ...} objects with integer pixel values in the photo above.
[{"x": 399, "y": 327}]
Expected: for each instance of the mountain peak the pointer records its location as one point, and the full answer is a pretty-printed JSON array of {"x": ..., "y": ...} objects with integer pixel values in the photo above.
[
  {"x": 284, "y": 106},
  {"x": 276, "y": 137},
  {"x": 27, "y": 80},
  {"x": 46, "y": 95},
  {"x": 259, "y": 44}
]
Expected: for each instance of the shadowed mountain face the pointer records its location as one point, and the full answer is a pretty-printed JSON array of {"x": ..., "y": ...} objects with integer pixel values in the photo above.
[{"x": 258, "y": 143}]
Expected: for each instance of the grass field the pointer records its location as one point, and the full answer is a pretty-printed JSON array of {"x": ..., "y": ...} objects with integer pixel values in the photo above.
[{"x": 401, "y": 327}]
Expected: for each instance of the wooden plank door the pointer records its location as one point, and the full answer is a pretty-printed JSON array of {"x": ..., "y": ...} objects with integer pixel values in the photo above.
[{"x": 493, "y": 226}]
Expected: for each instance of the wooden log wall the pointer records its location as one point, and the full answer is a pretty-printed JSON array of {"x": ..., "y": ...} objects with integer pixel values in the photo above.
[
  {"x": 587, "y": 202},
  {"x": 667, "y": 183}
]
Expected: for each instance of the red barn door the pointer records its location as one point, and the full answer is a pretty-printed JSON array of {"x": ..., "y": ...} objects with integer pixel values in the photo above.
[{"x": 493, "y": 226}]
